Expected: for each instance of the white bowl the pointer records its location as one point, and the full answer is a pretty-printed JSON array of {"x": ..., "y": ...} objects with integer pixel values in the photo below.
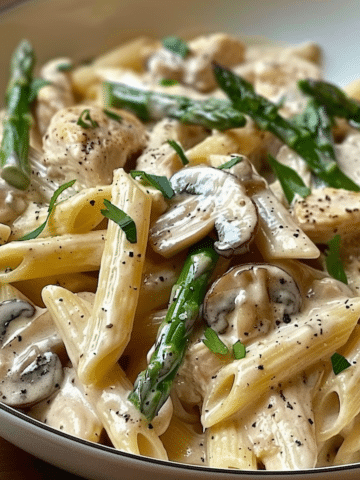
[{"x": 83, "y": 28}]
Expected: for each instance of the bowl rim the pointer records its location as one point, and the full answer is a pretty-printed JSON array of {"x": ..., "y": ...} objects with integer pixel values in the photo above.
[{"x": 22, "y": 416}]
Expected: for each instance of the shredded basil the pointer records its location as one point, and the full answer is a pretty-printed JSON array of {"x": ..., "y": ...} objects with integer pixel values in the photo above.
[
  {"x": 168, "y": 82},
  {"x": 36, "y": 85},
  {"x": 230, "y": 163},
  {"x": 35, "y": 233},
  {"x": 333, "y": 261},
  {"x": 176, "y": 45},
  {"x": 214, "y": 343},
  {"x": 339, "y": 363},
  {"x": 85, "y": 120},
  {"x": 179, "y": 151},
  {"x": 64, "y": 67},
  {"x": 113, "y": 115},
  {"x": 123, "y": 220},
  {"x": 239, "y": 350},
  {"x": 290, "y": 180},
  {"x": 157, "y": 181}
]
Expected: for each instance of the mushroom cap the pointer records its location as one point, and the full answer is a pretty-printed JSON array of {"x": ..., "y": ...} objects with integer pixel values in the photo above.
[
  {"x": 205, "y": 198},
  {"x": 252, "y": 290}
]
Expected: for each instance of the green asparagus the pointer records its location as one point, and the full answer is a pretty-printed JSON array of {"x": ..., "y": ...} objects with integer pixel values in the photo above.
[
  {"x": 17, "y": 122},
  {"x": 149, "y": 105},
  {"x": 265, "y": 115},
  {"x": 152, "y": 386},
  {"x": 336, "y": 102}
]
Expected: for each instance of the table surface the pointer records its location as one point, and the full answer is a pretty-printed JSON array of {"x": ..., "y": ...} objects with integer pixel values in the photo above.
[{"x": 15, "y": 464}]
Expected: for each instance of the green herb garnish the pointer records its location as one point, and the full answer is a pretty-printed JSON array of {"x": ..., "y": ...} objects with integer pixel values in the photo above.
[
  {"x": 35, "y": 233},
  {"x": 230, "y": 163},
  {"x": 168, "y": 82},
  {"x": 239, "y": 350},
  {"x": 176, "y": 45},
  {"x": 266, "y": 116},
  {"x": 333, "y": 261},
  {"x": 214, "y": 343},
  {"x": 179, "y": 151},
  {"x": 123, "y": 220},
  {"x": 85, "y": 120},
  {"x": 64, "y": 67},
  {"x": 157, "y": 181},
  {"x": 113, "y": 115},
  {"x": 36, "y": 85},
  {"x": 289, "y": 179},
  {"x": 339, "y": 363}
]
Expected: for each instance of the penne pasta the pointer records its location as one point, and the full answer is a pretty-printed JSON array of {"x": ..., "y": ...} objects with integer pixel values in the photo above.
[{"x": 120, "y": 276}]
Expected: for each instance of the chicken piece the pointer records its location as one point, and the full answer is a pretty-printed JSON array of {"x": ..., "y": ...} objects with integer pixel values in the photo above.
[
  {"x": 328, "y": 212},
  {"x": 54, "y": 97},
  {"x": 159, "y": 158},
  {"x": 90, "y": 153},
  {"x": 275, "y": 76},
  {"x": 195, "y": 69}
]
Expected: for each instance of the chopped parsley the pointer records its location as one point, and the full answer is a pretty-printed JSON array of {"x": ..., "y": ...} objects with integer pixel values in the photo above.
[
  {"x": 214, "y": 343},
  {"x": 35, "y": 233},
  {"x": 290, "y": 180},
  {"x": 333, "y": 261},
  {"x": 176, "y": 45},
  {"x": 123, "y": 220},
  {"x": 239, "y": 350},
  {"x": 85, "y": 120},
  {"x": 113, "y": 115},
  {"x": 168, "y": 82},
  {"x": 157, "y": 181},
  {"x": 231, "y": 163},
  {"x": 179, "y": 151},
  {"x": 339, "y": 363}
]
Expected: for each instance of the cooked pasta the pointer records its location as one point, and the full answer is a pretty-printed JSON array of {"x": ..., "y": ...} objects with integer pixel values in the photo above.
[{"x": 180, "y": 269}]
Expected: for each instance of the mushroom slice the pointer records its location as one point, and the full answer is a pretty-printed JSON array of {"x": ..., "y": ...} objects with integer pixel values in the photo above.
[
  {"x": 257, "y": 295},
  {"x": 278, "y": 235},
  {"x": 205, "y": 197},
  {"x": 11, "y": 309},
  {"x": 41, "y": 376}
]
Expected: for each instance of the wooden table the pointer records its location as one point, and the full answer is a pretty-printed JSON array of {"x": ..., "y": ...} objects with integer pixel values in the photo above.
[{"x": 15, "y": 464}]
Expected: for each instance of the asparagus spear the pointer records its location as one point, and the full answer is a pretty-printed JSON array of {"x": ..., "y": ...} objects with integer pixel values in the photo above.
[
  {"x": 266, "y": 116},
  {"x": 149, "y": 105},
  {"x": 17, "y": 122},
  {"x": 152, "y": 386},
  {"x": 336, "y": 102}
]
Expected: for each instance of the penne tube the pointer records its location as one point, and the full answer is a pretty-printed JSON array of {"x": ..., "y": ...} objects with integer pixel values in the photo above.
[
  {"x": 25, "y": 260},
  {"x": 119, "y": 284},
  {"x": 184, "y": 443},
  {"x": 126, "y": 427},
  {"x": 337, "y": 402},
  {"x": 319, "y": 331},
  {"x": 228, "y": 446},
  {"x": 80, "y": 213},
  {"x": 5, "y": 232}
]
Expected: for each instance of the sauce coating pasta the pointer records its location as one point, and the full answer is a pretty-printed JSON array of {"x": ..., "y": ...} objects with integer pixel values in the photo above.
[{"x": 179, "y": 260}]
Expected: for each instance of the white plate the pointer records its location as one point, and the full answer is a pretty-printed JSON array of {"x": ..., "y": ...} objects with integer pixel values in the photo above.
[{"x": 83, "y": 28}]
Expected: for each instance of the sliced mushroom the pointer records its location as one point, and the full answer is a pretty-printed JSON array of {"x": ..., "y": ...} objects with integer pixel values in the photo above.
[
  {"x": 255, "y": 295},
  {"x": 205, "y": 198},
  {"x": 31, "y": 369},
  {"x": 41, "y": 376},
  {"x": 195, "y": 69},
  {"x": 278, "y": 235}
]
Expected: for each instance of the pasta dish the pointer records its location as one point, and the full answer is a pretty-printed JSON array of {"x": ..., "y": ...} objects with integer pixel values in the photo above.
[{"x": 179, "y": 259}]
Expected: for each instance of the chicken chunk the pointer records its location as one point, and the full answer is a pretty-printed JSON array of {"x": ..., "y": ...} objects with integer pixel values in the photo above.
[
  {"x": 90, "y": 154},
  {"x": 55, "y": 96},
  {"x": 159, "y": 158},
  {"x": 196, "y": 68}
]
